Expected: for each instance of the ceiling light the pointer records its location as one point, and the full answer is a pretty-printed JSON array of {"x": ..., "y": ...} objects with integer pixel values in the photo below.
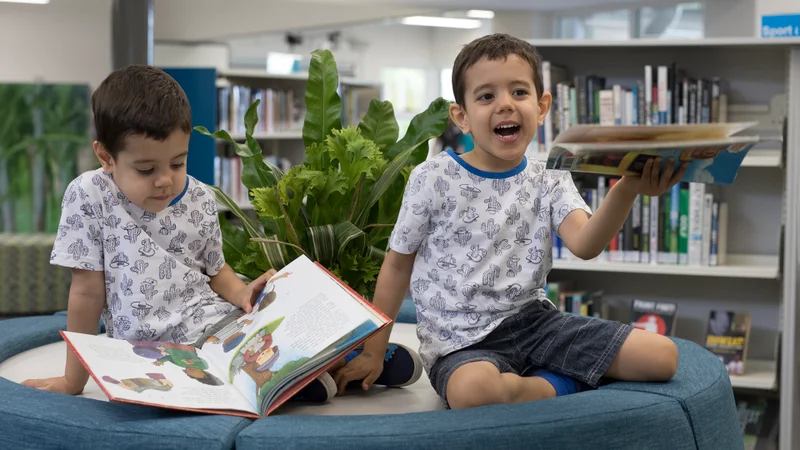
[
  {"x": 480, "y": 14},
  {"x": 445, "y": 22},
  {"x": 37, "y": 2}
]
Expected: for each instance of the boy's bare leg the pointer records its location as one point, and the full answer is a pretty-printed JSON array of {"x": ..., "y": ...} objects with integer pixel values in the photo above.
[
  {"x": 480, "y": 383},
  {"x": 645, "y": 356}
]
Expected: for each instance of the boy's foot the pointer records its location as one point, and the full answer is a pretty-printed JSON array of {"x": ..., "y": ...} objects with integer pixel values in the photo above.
[
  {"x": 319, "y": 390},
  {"x": 401, "y": 366}
]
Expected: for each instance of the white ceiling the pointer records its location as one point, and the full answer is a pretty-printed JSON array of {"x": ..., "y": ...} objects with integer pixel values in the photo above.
[
  {"x": 496, "y": 5},
  {"x": 213, "y": 20}
]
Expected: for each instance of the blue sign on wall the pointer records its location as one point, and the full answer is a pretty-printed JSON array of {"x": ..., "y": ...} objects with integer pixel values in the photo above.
[{"x": 780, "y": 26}]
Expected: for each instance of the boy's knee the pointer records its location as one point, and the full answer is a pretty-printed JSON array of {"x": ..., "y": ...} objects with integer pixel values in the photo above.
[
  {"x": 474, "y": 384},
  {"x": 665, "y": 363}
]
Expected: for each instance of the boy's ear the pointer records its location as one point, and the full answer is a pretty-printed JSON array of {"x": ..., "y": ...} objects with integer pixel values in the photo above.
[
  {"x": 459, "y": 116},
  {"x": 103, "y": 156},
  {"x": 544, "y": 106}
]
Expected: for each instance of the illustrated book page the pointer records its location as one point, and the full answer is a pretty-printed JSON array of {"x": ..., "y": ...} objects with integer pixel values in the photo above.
[{"x": 158, "y": 373}]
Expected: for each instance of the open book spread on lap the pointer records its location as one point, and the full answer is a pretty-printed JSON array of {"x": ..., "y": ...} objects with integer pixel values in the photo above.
[{"x": 304, "y": 320}]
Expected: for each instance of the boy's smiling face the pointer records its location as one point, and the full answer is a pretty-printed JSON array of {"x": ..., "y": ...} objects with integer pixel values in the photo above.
[
  {"x": 501, "y": 110},
  {"x": 149, "y": 172}
]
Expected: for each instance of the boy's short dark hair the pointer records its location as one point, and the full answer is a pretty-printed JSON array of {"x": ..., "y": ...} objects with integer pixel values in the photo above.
[
  {"x": 139, "y": 100},
  {"x": 492, "y": 47}
]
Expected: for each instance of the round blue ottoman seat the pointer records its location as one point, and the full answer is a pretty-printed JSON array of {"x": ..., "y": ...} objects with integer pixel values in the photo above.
[
  {"x": 695, "y": 410},
  {"x": 33, "y": 419}
]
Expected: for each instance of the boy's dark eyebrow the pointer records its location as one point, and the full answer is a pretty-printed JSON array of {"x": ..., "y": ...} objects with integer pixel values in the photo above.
[
  {"x": 487, "y": 85},
  {"x": 142, "y": 161}
]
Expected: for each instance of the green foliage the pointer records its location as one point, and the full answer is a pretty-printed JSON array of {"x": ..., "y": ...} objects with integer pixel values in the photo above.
[{"x": 339, "y": 206}]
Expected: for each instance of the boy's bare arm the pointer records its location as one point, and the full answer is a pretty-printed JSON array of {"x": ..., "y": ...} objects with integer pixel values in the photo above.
[
  {"x": 587, "y": 237},
  {"x": 87, "y": 295},
  {"x": 393, "y": 282},
  {"x": 390, "y": 290}
]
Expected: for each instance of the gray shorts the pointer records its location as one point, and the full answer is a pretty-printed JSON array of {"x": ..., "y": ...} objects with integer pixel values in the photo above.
[{"x": 541, "y": 337}]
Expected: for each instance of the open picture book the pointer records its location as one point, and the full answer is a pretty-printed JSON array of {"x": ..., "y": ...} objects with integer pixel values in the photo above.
[
  {"x": 303, "y": 322},
  {"x": 712, "y": 152}
]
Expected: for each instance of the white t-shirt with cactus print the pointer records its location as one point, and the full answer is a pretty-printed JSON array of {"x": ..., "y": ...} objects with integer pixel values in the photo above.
[
  {"x": 483, "y": 243},
  {"x": 157, "y": 265}
]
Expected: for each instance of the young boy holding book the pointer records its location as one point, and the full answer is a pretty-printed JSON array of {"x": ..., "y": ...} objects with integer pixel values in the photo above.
[
  {"x": 142, "y": 236},
  {"x": 473, "y": 241}
]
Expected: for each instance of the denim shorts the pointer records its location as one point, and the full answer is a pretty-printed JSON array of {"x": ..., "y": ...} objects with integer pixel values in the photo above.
[{"x": 541, "y": 337}]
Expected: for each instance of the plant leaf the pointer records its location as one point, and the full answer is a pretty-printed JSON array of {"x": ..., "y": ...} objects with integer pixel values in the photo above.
[
  {"x": 272, "y": 252},
  {"x": 251, "y": 119},
  {"x": 256, "y": 171},
  {"x": 388, "y": 177},
  {"x": 425, "y": 125},
  {"x": 234, "y": 247},
  {"x": 376, "y": 253},
  {"x": 323, "y": 240},
  {"x": 347, "y": 233},
  {"x": 379, "y": 124},
  {"x": 323, "y": 104}
]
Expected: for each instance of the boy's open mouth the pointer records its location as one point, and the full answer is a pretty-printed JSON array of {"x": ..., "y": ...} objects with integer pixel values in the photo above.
[{"x": 508, "y": 130}]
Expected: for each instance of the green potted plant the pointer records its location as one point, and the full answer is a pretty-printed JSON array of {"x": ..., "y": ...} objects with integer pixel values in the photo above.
[{"x": 339, "y": 206}]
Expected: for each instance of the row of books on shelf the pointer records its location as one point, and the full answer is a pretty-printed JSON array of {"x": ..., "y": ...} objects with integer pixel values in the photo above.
[
  {"x": 279, "y": 110},
  {"x": 687, "y": 226},
  {"x": 727, "y": 332},
  {"x": 228, "y": 175},
  {"x": 666, "y": 94}
]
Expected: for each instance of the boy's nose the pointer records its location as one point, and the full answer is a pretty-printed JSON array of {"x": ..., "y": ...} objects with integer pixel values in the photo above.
[{"x": 164, "y": 181}]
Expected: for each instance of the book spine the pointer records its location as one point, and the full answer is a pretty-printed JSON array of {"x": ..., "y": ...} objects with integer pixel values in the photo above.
[
  {"x": 674, "y": 221},
  {"x": 648, "y": 93},
  {"x": 656, "y": 230},
  {"x": 708, "y": 203},
  {"x": 696, "y": 206},
  {"x": 683, "y": 225},
  {"x": 712, "y": 259},
  {"x": 663, "y": 98},
  {"x": 635, "y": 216},
  {"x": 644, "y": 254}
]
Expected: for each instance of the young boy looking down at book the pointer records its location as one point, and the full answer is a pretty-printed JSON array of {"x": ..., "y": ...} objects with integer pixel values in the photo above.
[
  {"x": 142, "y": 237},
  {"x": 473, "y": 243}
]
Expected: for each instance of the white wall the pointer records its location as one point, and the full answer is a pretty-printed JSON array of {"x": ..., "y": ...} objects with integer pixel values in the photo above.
[
  {"x": 63, "y": 41},
  {"x": 184, "y": 55}
]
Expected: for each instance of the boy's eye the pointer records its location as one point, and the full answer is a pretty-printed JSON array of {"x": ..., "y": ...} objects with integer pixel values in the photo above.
[
  {"x": 145, "y": 171},
  {"x": 520, "y": 92},
  {"x": 177, "y": 165},
  {"x": 485, "y": 97}
]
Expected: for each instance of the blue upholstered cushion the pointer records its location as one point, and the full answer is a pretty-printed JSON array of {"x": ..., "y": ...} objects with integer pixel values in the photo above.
[
  {"x": 703, "y": 389},
  {"x": 408, "y": 313},
  {"x": 32, "y": 419},
  {"x": 591, "y": 420}
]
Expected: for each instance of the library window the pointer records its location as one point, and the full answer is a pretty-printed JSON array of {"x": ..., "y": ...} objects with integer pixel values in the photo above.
[{"x": 680, "y": 21}]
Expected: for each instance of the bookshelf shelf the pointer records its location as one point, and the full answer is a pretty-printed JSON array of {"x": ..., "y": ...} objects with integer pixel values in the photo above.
[
  {"x": 737, "y": 266},
  {"x": 759, "y": 374},
  {"x": 271, "y": 135},
  {"x": 225, "y": 76},
  {"x": 664, "y": 43}
]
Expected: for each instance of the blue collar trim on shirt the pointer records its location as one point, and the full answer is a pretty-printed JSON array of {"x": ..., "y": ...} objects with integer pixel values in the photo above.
[
  {"x": 178, "y": 198},
  {"x": 484, "y": 174}
]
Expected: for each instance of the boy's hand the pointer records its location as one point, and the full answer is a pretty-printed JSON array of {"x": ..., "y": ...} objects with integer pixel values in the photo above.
[
  {"x": 55, "y": 384},
  {"x": 248, "y": 296},
  {"x": 651, "y": 183},
  {"x": 363, "y": 367}
]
